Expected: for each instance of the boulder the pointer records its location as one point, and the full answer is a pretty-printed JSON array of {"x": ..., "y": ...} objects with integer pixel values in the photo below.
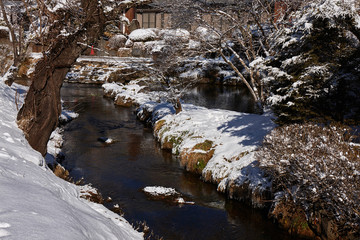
[
  {"x": 139, "y": 49},
  {"x": 117, "y": 41},
  {"x": 129, "y": 43},
  {"x": 124, "y": 52},
  {"x": 143, "y": 35},
  {"x": 206, "y": 35},
  {"x": 125, "y": 75},
  {"x": 175, "y": 35}
]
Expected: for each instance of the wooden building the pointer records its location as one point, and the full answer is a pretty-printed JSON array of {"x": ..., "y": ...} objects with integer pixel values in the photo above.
[{"x": 153, "y": 16}]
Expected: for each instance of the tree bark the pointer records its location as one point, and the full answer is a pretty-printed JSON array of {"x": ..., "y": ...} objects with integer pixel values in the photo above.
[{"x": 39, "y": 115}]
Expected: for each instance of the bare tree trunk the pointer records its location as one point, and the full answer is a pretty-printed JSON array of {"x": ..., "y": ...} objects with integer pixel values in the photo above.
[
  {"x": 178, "y": 106},
  {"x": 39, "y": 115}
]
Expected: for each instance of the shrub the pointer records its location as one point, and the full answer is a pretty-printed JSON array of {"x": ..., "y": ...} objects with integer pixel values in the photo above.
[{"x": 318, "y": 168}]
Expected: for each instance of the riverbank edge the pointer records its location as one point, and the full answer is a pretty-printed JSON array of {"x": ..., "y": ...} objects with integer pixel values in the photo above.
[
  {"x": 284, "y": 213},
  {"x": 54, "y": 160},
  {"x": 27, "y": 184}
]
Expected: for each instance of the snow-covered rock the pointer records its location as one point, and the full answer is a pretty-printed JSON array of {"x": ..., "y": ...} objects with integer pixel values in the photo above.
[
  {"x": 143, "y": 35},
  {"x": 157, "y": 190},
  {"x": 132, "y": 92},
  {"x": 194, "y": 44},
  {"x": 129, "y": 43},
  {"x": 167, "y": 194},
  {"x": 106, "y": 69},
  {"x": 117, "y": 41},
  {"x": 175, "y": 35}
]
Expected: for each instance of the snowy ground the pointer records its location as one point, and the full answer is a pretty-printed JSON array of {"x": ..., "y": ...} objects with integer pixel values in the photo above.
[
  {"x": 235, "y": 136},
  {"x": 34, "y": 203}
]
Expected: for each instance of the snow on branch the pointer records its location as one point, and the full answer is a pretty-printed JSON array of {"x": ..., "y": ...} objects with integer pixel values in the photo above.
[{"x": 316, "y": 166}]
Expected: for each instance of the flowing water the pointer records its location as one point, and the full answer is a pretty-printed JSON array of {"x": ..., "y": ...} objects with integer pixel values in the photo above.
[{"x": 135, "y": 161}]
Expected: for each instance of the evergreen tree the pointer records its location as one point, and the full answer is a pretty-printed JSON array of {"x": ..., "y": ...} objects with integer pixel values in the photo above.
[{"x": 315, "y": 74}]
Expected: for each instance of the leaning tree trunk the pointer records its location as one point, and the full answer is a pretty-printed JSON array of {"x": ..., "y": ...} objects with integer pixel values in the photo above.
[{"x": 39, "y": 115}]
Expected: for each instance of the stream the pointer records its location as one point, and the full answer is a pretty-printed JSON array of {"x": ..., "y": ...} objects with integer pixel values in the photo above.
[{"x": 134, "y": 161}]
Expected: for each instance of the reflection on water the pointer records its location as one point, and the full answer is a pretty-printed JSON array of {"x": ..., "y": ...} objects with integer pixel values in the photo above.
[
  {"x": 135, "y": 161},
  {"x": 233, "y": 98}
]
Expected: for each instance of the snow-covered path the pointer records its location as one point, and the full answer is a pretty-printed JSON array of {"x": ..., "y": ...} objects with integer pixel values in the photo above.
[{"x": 34, "y": 203}]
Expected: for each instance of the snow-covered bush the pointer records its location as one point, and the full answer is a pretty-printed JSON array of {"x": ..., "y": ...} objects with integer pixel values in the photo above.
[
  {"x": 318, "y": 168},
  {"x": 318, "y": 58}
]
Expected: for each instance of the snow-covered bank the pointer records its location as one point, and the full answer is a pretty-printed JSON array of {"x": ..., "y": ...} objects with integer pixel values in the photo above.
[
  {"x": 132, "y": 93},
  {"x": 218, "y": 144},
  {"x": 34, "y": 203},
  {"x": 99, "y": 70}
]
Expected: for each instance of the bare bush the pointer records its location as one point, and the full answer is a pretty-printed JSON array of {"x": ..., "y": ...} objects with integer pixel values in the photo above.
[{"x": 318, "y": 168}]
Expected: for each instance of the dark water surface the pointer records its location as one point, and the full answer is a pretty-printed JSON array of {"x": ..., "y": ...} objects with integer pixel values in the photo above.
[
  {"x": 233, "y": 98},
  {"x": 135, "y": 161}
]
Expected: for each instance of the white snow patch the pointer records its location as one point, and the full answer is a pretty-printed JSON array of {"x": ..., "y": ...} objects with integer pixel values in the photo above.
[
  {"x": 4, "y": 28},
  {"x": 180, "y": 200},
  {"x": 68, "y": 115},
  {"x": 54, "y": 145},
  {"x": 179, "y": 34},
  {"x": 35, "y": 55}
]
